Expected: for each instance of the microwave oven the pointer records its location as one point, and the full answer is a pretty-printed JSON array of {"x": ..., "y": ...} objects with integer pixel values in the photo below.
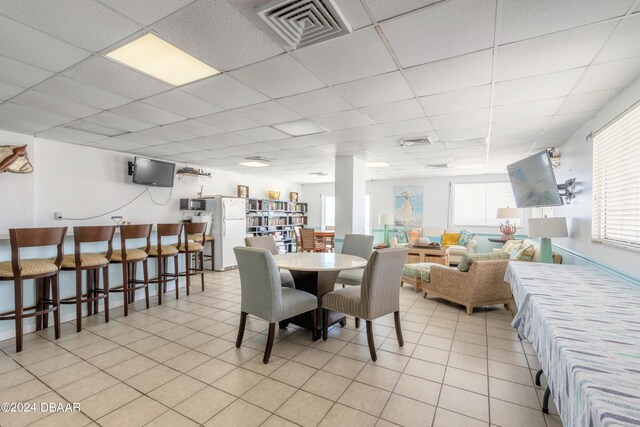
[{"x": 193, "y": 204}]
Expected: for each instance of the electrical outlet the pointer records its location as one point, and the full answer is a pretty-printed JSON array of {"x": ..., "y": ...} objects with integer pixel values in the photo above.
[{"x": 57, "y": 215}]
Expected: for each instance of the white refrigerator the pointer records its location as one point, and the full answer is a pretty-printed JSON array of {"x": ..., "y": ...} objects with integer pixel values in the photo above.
[{"x": 228, "y": 227}]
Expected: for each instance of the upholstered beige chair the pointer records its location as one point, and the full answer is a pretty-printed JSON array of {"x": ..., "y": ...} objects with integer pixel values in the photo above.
[
  {"x": 377, "y": 296},
  {"x": 263, "y": 296},
  {"x": 358, "y": 245},
  {"x": 482, "y": 285},
  {"x": 269, "y": 243}
]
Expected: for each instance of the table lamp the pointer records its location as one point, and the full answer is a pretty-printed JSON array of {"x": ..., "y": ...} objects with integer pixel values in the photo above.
[
  {"x": 507, "y": 228},
  {"x": 546, "y": 228},
  {"x": 386, "y": 220}
]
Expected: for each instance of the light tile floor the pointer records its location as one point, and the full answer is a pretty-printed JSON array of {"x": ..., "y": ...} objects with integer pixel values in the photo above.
[{"x": 176, "y": 365}]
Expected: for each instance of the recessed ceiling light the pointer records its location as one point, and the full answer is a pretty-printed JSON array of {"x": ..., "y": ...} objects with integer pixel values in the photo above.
[
  {"x": 254, "y": 164},
  {"x": 377, "y": 165},
  {"x": 157, "y": 58},
  {"x": 300, "y": 127}
]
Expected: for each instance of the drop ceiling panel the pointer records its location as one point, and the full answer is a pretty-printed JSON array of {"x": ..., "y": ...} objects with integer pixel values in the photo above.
[
  {"x": 194, "y": 128},
  {"x": 116, "y": 121},
  {"x": 447, "y": 75},
  {"x": 355, "y": 13},
  {"x": 385, "y": 9},
  {"x": 375, "y": 90},
  {"x": 8, "y": 91},
  {"x": 361, "y": 54},
  {"x": 21, "y": 125},
  {"x": 114, "y": 144},
  {"x": 86, "y": 24},
  {"x": 34, "y": 115},
  {"x": 625, "y": 42},
  {"x": 588, "y": 101},
  {"x": 53, "y": 104},
  {"x": 442, "y": 31},
  {"x": 526, "y": 19},
  {"x": 143, "y": 139},
  {"x": 360, "y": 134},
  {"x": 316, "y": 103},
  {"x": 510, "y": 127},
  {"x": 94, "y": 128},
  {"x": 146, "y": 12},
  {"x": 147, "y": 113},
  {"x": 224, "y": 91},
  {"x": 268, "y": 113},
  {"x": 70, "y": 135},
  {"x": 228, "y": 121},
  {"x": 554, "y": 52},
  {"x": 288, "y": 144},
  {"x": 536, "y": 88},
  {"x": 167, "y": 134},
  {"x": 455, "y": 134},
  {"x": 609, "y": 75},
  {"x": 407, "y": 127},
  {"x": 263, "y": 133},
  {"x": 21, "y": 74},
  {"x": 570, "y": 120},
  {"x": 278, "y": 77},
  {"x": 394, "y": 111},
  {"x": 261, "y": 148},
  {"x": 466, "y": 143},
  {"x": 525, "y": 110},
  {"x": 459, "y": 100},
  {"x": 182, "y": 103},
  {"x": 27, "y": 45},
  {"x": 217, "y": 34},
  {"x": 72, "y": 90},
  {"x": 460, "y": 120},
  {"x": 343, "y": 120}
]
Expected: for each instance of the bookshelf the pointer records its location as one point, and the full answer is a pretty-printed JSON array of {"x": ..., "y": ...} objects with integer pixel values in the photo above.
[{"x": 276, "y": 218}]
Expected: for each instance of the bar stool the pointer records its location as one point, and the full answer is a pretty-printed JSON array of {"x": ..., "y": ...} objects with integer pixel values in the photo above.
[
  {"x": 129, "y": 257},
  {"x": 163, "y": 253},
  {"x": 193, "y": 252},
  {"x": 207, "y": 239},
  {"x": 45, "y": 271},
  {"x": 92, "y": 263}
]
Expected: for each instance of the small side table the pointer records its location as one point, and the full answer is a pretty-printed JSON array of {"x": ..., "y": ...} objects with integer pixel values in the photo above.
[
  {"x": 497, "y": 240},
  {"x": 381, "y": 246}
]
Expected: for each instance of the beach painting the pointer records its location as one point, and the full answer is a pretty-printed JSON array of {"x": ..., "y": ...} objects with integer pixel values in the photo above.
[{"x": 409, "y": 205}]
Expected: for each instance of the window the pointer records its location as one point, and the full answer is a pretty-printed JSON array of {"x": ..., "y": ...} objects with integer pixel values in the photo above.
[
  {"x": 329, "y": 213},
  {"x": 476, "y": 204},
  {"x": 542, "y": 212},
  {"x": 616, "y": 182}
]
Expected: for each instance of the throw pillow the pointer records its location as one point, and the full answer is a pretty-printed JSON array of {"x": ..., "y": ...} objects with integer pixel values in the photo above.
[
  {"x": 414, "y": 234},
  {"x": 401, "y": 234},
  {"x": 525, "y": 253},
  {"x": 465, "y": 237},
  {"x": 450, "y": 239},
  {"x": 467, "y": 260},
  {"x": 511, "y": 245}
]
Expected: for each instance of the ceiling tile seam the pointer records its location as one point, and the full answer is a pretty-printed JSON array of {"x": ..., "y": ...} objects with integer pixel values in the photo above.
[{"x": 140, "y": 23}]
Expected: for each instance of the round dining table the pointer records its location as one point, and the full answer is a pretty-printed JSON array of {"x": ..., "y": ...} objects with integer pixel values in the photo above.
[{"x": 316, "y": 273}]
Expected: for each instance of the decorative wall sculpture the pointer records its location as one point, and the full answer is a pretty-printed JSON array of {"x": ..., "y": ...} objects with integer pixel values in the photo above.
[{"x": 14, "y": 159}]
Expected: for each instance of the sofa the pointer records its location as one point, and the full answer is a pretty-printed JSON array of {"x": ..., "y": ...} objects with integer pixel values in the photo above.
[{"x": 456, "y": 251}]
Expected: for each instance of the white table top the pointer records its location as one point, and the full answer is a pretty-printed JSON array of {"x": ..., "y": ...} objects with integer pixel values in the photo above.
[{"x": 309, "y": 261}]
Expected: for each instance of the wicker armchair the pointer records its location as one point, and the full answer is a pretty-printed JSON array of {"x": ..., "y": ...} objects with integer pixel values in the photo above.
[{"x": 482, "y": 285}]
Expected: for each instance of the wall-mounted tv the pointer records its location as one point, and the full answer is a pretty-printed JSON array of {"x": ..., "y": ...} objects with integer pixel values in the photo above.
[
  {"x": 153, "y": 173},
  {"x": 533, "y": 182}
]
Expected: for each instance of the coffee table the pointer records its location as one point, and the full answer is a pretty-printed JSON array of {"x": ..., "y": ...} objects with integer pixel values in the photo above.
[{"x": 423, "y": 254}]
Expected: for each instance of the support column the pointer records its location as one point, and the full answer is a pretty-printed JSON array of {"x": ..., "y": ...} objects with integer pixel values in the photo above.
[{"x": 350, "y": 191}]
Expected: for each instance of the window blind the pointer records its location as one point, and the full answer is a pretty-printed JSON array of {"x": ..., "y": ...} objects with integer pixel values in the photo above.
[
  {"x": 616, "y": 182},
  {"x": 476, "y": 204}
]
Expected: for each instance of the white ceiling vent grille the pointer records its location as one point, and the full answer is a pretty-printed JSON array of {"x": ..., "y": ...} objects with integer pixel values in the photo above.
[
  {"x": 259, "y": 158},
  {"x": 438, "y": 166},
  {"x": 416, "y": 141},
  {"x": 304, "y": 22}
]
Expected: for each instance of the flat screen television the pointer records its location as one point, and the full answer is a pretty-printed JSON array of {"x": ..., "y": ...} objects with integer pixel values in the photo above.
[
  {"x": 533, "y": 182},
  {"x": 153, "y": 173}
]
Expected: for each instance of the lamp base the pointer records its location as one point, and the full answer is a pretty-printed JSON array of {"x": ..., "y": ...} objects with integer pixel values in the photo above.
[
  {"x": 546, "y": 254},
  {"x": 386, "y": 235}
]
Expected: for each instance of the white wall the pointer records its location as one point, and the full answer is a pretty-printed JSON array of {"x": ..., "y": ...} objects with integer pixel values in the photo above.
[
  {"x": 16, "y": 190},
  {"x": 577, "y": 162}
]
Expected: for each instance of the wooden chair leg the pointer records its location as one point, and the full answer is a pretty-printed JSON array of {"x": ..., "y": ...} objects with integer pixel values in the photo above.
[
  {"x": 46, "y": 292},
  {"x": 469, "y": 310},
  {"x": 133, "y": 276},
  {"x": 325, "y": 323},
  {"x": 55, "y": 295},
  {"x": 396, "y": 318},
  {"x": 372, "y": 345},
  {"x": 267, "y": 351},
  {"x": 145, "y": 272},
  {"x": 96, "y": 288},
  {"x": 160, "y": 280},
  {"x": 187, "y": 261},
  {"x": 79, "y": 299},
  {"x": 39, "y": 297},
  {"x": 105, "y": 289},
  {"x": 241, "y": 326},
  {"x": 125, "y": 288},
  {"x": 17, "y": 286},
  {"x": 358, "y": 322},
  {"x": 314, "y": 325},
  {"x": 177, "y": 276},
  {"x": 202, "y": 269}
]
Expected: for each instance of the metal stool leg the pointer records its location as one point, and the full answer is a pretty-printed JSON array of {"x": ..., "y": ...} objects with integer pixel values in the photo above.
[
  {"x": 538, "y": 375},
  {"x": 545, "y": 400}
]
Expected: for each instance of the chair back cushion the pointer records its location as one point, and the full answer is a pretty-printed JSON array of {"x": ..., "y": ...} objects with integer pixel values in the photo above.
[
  {"x": 467, "y": 260},
  {"x": 380, "y": 289},
  {"x": 264, "y": 242},
  {"x": 259, "y": 283},
  {"x": 358, "y": 245}
]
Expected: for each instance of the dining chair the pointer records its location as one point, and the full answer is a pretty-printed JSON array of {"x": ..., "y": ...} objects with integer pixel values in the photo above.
[
  {"x": 92, "y": 263},
  {"x": 263, "y": 296},
  {"x": 309, "y": 241},
  {"x": 45, "y": 271},
  {"x": 360, "y": 245},
  {"x": 163, "y": 253},
  {"x": 193, "y": 251},
  {"x": 269, "y": 243},
  {"x": 377, "y": 295}
]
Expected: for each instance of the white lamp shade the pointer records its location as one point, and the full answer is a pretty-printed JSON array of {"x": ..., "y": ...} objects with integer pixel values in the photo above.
[
  {"x": 548, "y": 227},
  {"x": 385, "y": 219},
  {"x": 508, "y": 213}
]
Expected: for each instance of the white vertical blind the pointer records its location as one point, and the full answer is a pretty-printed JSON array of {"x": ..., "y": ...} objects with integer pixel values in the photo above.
[
  {"x": 616, "y": 182},
  {"x": 477, "y": 203}
]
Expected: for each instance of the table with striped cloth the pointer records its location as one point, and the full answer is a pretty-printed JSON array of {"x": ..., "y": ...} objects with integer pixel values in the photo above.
[{"x": 585, "y": 329}]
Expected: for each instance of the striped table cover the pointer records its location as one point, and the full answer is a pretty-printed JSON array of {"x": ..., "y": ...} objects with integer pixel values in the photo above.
[{"x": 585, "y": 329}]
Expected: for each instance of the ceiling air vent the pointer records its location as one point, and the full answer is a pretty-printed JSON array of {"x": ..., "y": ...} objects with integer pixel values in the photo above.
[
  {"x": 304, "y": 22},
  {"x": 438, "y": 166},
  {"x": 259, "y": 159},
  {"x": 416, "y": 141}
]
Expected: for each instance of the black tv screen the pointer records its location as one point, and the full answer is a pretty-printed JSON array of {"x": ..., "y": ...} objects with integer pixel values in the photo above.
[
  {"x": 153, "y": 172},
  {"x": 533, "y": 182}
]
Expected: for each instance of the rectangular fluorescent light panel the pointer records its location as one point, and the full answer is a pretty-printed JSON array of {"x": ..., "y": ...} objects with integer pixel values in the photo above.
[
  {"x": 151, "y": 55},
  {"x": 300, "y": 127},
  {"x": 378, "y": 165},
  {"x": 253, "y": 164}
]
